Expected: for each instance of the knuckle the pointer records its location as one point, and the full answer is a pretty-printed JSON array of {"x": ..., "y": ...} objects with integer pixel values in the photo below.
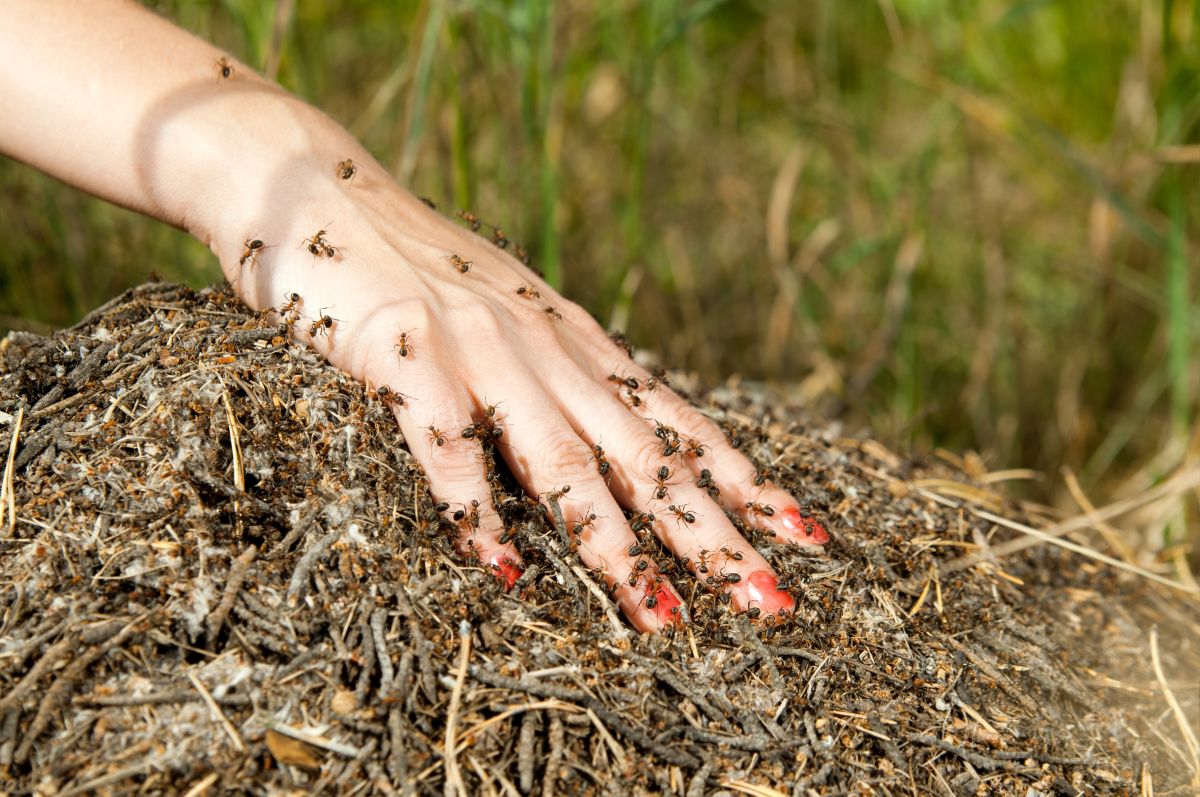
[
  {"x": 646, "y": 458},
  {"x": 562, "y": 457}
]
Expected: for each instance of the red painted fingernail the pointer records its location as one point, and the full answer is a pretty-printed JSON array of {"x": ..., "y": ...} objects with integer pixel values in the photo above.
[
  {"x": 765, "y": 594},
  {"x": 507, "y": 571},
  {"x": 805, "y": 525},
  {"x": 667, "y": 607}
]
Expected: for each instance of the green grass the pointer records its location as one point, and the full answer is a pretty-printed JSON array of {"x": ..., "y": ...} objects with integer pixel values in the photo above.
[{"x": 1050, "y": 320}]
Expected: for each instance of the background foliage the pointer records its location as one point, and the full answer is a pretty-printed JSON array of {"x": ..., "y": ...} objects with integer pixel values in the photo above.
[{"x": 964, "y": 224}]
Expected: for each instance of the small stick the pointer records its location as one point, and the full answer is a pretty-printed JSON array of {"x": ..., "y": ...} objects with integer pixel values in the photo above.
[
  {"x": 216, "y": 712},
  {"x": 1184, "y": 726},
  {"x": 525, "y": 741},
  {"x": 557, "y": 740},
  {"x": 428, "y": 680},
  {"x": 51, "y": 657},
  {"x": 386, "y": 673},
  {"x": 977, "y": 760},
  {"x": 398, "y": 759},
  {"x": 453, "y": 775},
  {"x": 700, "y": 780},
  {"x": 750, "y": 637},
  {"x": 237, "y": 575},
  {"x": 305, "y": 566},
  {"x": 235, "y": 444},
  {"x": 7, "y": 499}
]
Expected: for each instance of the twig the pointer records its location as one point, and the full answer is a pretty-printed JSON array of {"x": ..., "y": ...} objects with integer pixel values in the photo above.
[
  {"x": 1184, "y": 727},
  {"x": 750, "y": 637},
  {"x": 525, "y": 740},
  {"x": 700, "y": 780},
  {"x": 51, "y": 657},
  {"x": 610, "y": 718},
  {"x": 237, "y": 575},
  {"x": 216, "y": 712},
  {"x": 454, "y": 781},
  {"x": 977, "y": 760},
  {"x": 305, "y": 566},
  {"x": 386, "y": 673},
  {"x": 554, "y": 761},
  {"x": 7, "y": 498},
  {"x": 398, "y": 758}
]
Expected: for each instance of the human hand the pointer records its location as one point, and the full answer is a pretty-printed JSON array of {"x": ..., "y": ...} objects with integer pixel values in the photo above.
[{"x": 473, "y": 351}]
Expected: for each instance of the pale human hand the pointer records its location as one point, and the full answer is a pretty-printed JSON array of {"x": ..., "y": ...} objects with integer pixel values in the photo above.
[
  {"x": 110, "y": 97},
  {"x": 474, "y": 351}
]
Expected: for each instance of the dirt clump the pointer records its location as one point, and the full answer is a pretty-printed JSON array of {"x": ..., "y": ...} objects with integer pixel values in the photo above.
[{"x": 222, "y": 571}]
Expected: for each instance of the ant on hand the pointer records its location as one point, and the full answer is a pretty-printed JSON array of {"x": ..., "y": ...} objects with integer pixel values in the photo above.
[
  {"x": 225, "y": 68},
  {"x": 552, "y": 313},
  {"x": 586, "y": 522},
  {"x": 436, "y": 436},
  {"x": 529, "y": 292},
  {"x": 601, "y": 462},
  {"x": 661, "y": 483},
  {"x": 251, "y": 252},
  {"x": 404, "y": 347},
  {"x": 318, "y": 245},
  {"x": 499, "y": 238},
  {"x": 463, "y": 266},
  {"x": 347, "y": 169},
  {"x": 760, "y": 509},
  {"x": 681, "y": 513},
  {"x": 471, "y": 219},
  {"x": 390, "y": 397},
  {"x": 695, "y": 447}
]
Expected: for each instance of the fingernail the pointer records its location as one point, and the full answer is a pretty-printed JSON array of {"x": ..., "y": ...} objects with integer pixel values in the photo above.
[
  {"x": 805, "y": 525},
  {"x": 506, "y": 570},
  {"x": 667, "y": 606},
  {"x": 764, "y": 594}
]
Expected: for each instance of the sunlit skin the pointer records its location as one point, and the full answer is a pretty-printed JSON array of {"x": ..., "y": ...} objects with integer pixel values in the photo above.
[{"x": 112, "y": 98}]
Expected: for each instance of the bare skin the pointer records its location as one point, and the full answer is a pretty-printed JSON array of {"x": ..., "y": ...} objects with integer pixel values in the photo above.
[{"x": 112, "y": 98}]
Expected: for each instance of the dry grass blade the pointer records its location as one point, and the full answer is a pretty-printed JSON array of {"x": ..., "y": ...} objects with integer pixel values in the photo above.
[
  {"x": 6, "y": 498},
  {"x": 1185, "y": 728},
  {"x": 217, "y": 714},
  {"x": 453, "y": 775}
]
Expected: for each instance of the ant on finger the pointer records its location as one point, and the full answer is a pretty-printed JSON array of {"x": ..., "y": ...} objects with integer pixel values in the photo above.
[
  {"x": 390, "y": 397},
  {"x": 529, "y": 292},
  {"x": 347, "y": 169},
  {"x": 224, "y": 68},
  {"x": 552, "y": 313},
  {"x": 436, "y": 436},
  {"x": 403, "y": 346},
  {"x": 462, "y": 266},
  {"x": 681, "y": 513},
  {"x": 471, "y": 219},
  {"x": 318, "y": 244},
  {"x": 602, "y": 464},
  {"x": 321, "y": 325},
  {"x": 661, "y": 482},
  {"x": 760, "y": 509},
  {"x": 250, "y": 253}
]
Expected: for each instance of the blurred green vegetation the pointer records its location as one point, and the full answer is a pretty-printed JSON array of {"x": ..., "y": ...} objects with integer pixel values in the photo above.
[{"x": 966, "y": 224}]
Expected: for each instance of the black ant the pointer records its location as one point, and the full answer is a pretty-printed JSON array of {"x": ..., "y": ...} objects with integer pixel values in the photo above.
[
  {"x": 347, "y": 169},
  {"x": 760, "y": 509},
  {"x": 404, "y": 347},
  {"x": 641, "y": 522},
  {"x": 429, "y": 203},
  {"x": 760, "y": 477},
  {"x": 250, "y": 252},
  {"x": 529, "y": 292},
  {"x": 586, "y": 522},
  {"x": 695, "y": 447},
  {"x": 498, "y": 238},
  {"x": 622, "y": 341},
  {"x": 660, "y": 481},
  {"x": 471, "y": 219},
  {"x": 436, "y": 436},
  {"x": 225, "y": 68},
  {"x": 734, "y": 555},
  {"x": 680, "y": 512},
  {"x": 463, "y": 266}
]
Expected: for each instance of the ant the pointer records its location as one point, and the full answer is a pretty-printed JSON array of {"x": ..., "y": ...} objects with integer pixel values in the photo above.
[
  {"x": 322, "y": 325},
  {"x": 657, "y": 377},
  {"x": 622, "y": 341},
  {"x": 290, "y": 304},
  {"x": 660, "y": 481},
  {"x": 703, "y": 559},
  {"x": 601, "y": 462},
  {"x": 347, "y": 169},
  {"x": 471, "y": 219},
  {"x": 552, "y": 313},
  {"x": 587, "y": 522},
  {"x": 226, "y": 68},
  {"x": 251, "y": 252},
  {"x": 436, "y": 436},
  {"x": 760, "y": 509},
  {"x": 760, "y": 477},
  {"x": 628, "y": 381},
  {"x": 695, "y": 447},
  {"x": 498, "y": 238},
  {"x": 318, "y": 245},
  {"x": 529, "y": 292},
  {"x": 521, "y": 254},
  {"x": 680, "y": 512},
  {"x": 390, "y": 397},
  {"x": 404, "y": 347},
  {"x": 641, "y": 521},
  {"x": 734, "y": 555},
  {"x": 429, "y": 203},
  {"x": 463, "y": 266}
]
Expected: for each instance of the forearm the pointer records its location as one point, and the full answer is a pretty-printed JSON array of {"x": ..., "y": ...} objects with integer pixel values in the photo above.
[{"x": 108, "y": 96}]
